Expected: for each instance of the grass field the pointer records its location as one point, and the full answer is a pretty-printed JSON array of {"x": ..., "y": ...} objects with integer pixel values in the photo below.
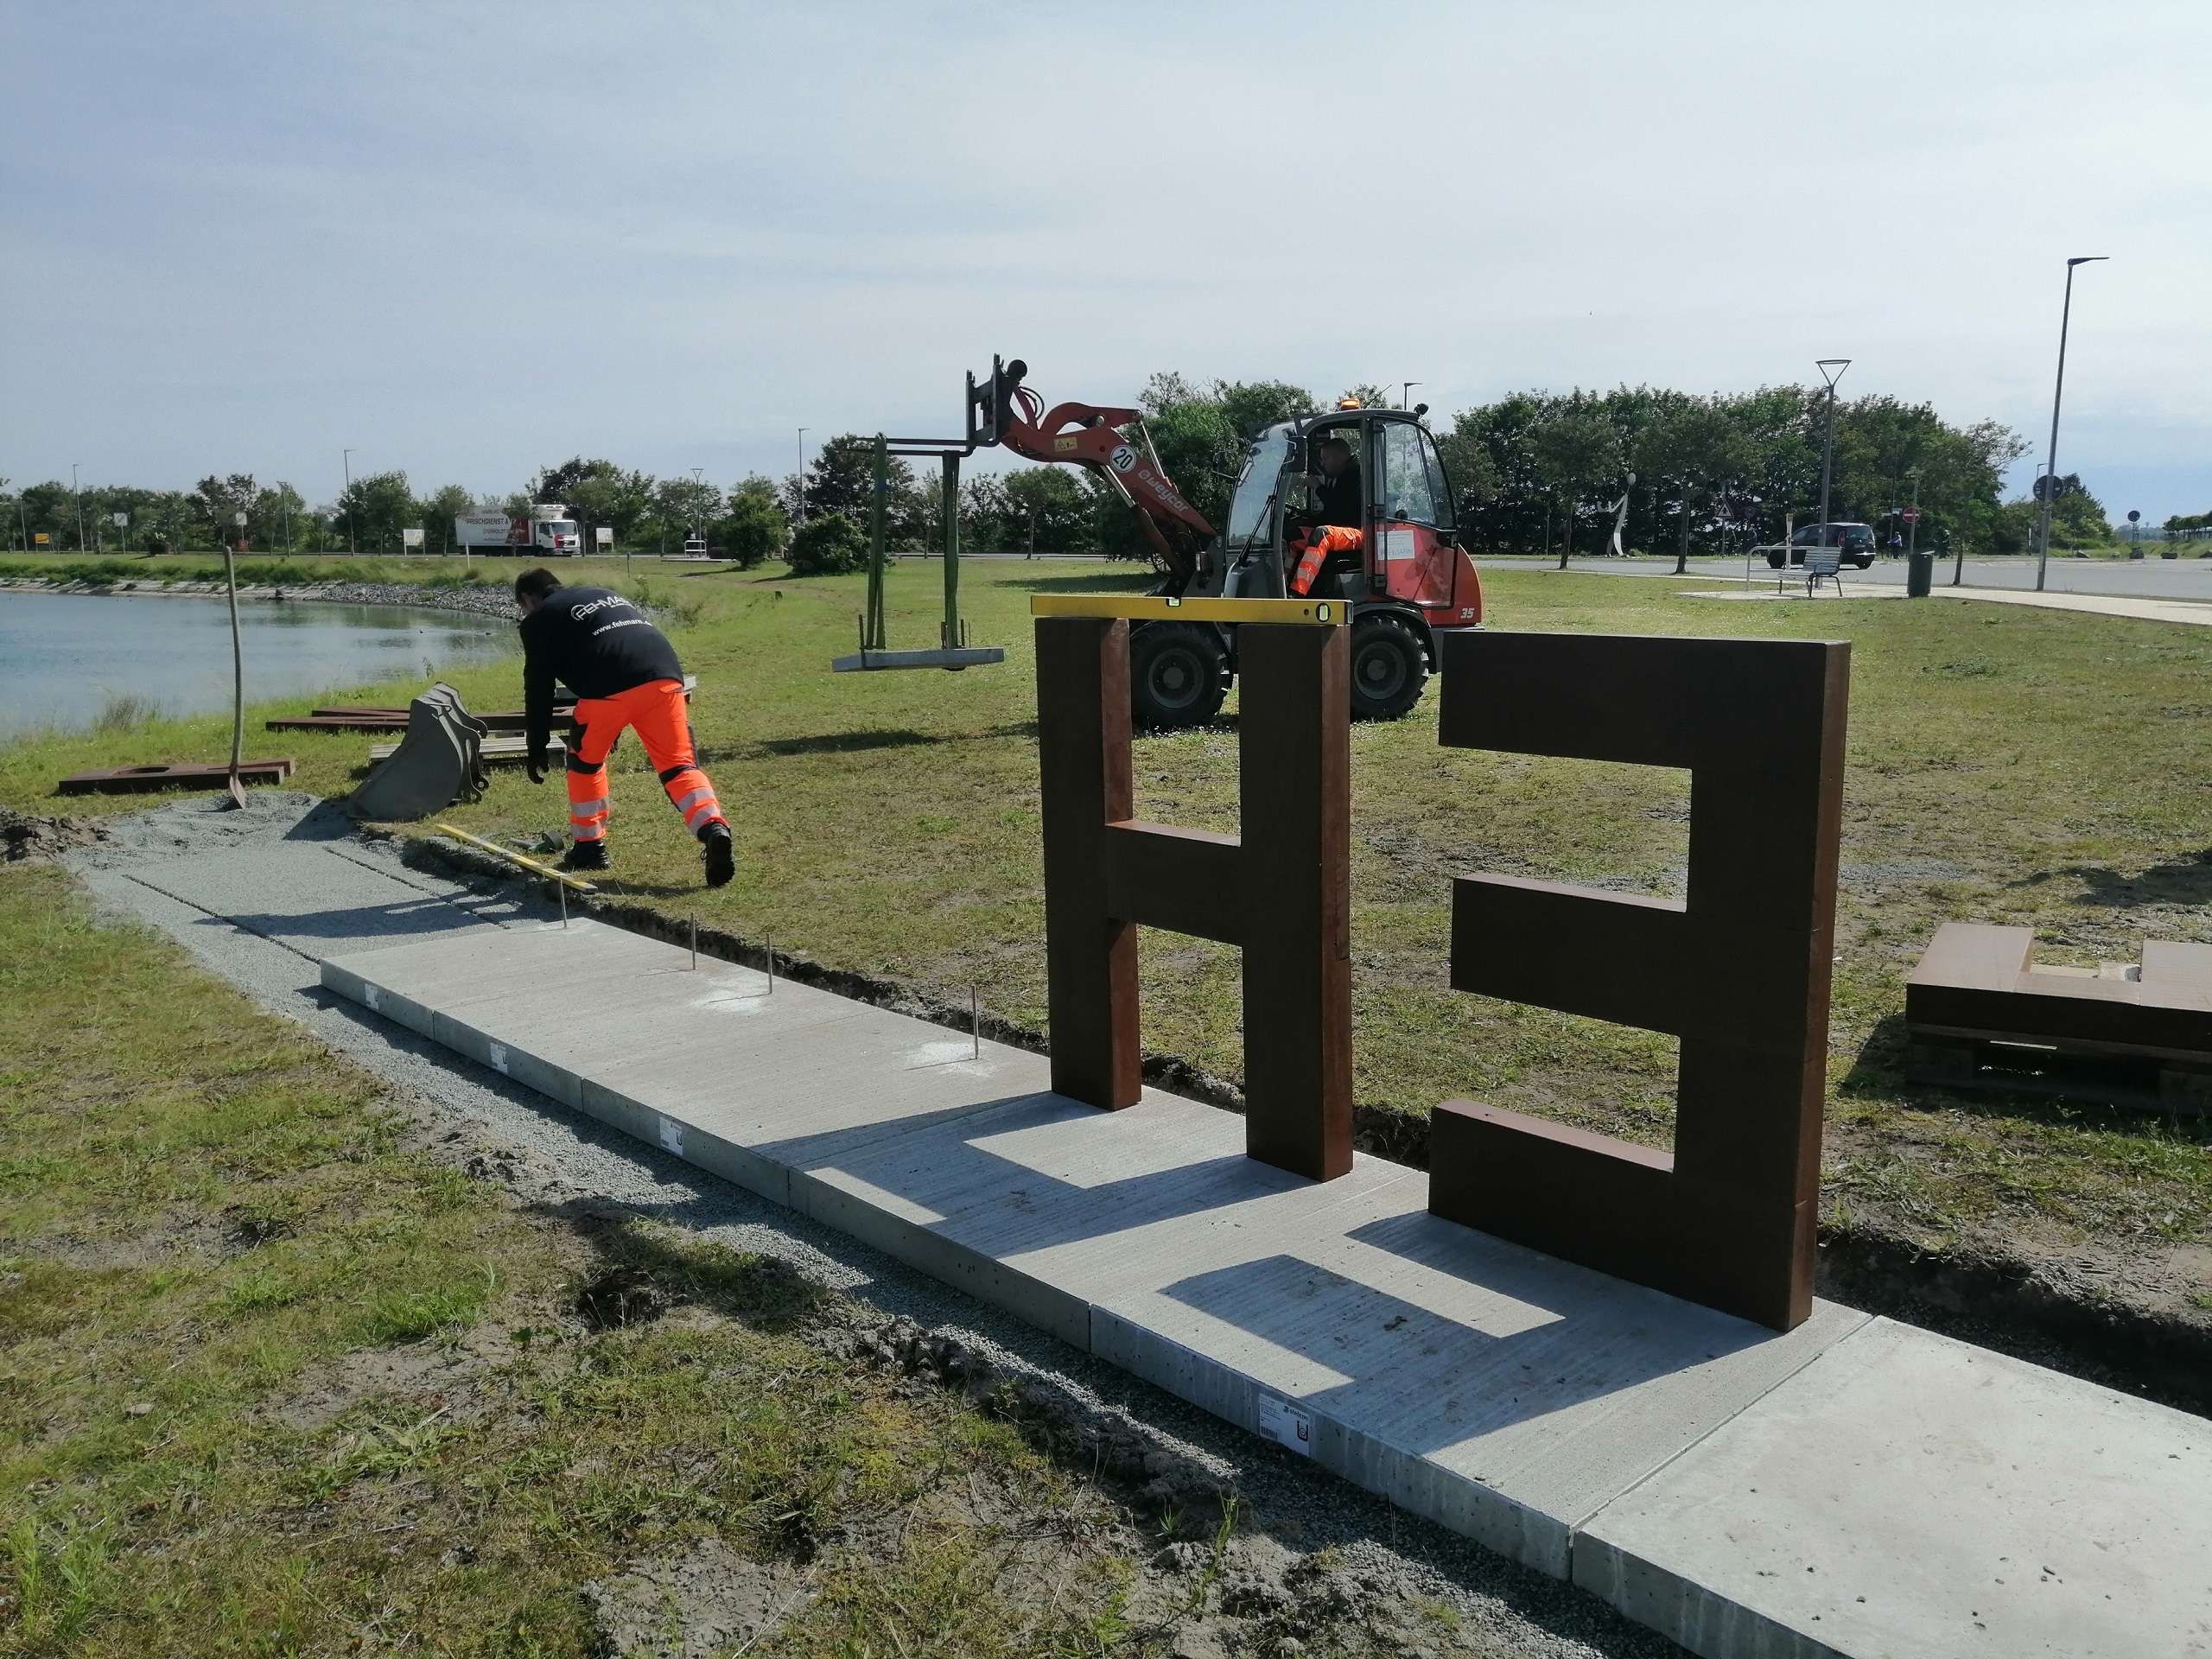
[
  {"x": 272, "y": 1382},
  {"x": 2005, "y": 764}
]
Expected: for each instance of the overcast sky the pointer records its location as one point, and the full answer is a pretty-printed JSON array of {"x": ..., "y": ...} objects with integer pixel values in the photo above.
[{"x": 471, "y": 240}]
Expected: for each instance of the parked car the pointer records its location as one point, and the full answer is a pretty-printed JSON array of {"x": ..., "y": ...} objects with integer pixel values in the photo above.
[{"x": 1855, "y": 542}]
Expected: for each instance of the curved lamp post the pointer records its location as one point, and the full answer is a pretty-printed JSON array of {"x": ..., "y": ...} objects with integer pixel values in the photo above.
[
  {"x": 2050, "y": 467},
  {"x": 1827, "y": 447}
]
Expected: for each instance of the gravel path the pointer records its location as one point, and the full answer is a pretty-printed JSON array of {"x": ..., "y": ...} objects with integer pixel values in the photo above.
[{"x": 309, "y": 885}]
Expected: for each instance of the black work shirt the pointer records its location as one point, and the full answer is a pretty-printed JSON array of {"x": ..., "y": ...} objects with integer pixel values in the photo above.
[
  {"x": 595, "y": 642},
  {"x": 1338, "y": 497}
]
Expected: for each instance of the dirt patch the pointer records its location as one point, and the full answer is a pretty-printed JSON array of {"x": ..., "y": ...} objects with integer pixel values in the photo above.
[
  {"x": 622, "y": 1296},
  {"x": 707, "y": 1600},
  {"x": 27, "y": 838},
  {"x": 446, "y": 1378}
]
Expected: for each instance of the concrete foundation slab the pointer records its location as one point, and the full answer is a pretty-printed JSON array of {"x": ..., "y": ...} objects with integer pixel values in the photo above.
[
  {"x": 1584, "y": 1425},
  {"x": 1907, "y": 1494}
]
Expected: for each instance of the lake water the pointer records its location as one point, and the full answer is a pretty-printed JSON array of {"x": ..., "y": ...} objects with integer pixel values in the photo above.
[{"x": 63, "y": 656}]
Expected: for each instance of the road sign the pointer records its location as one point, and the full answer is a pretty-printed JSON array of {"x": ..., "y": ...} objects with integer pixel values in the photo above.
[
  {"x": 604, "y": 534},
  {"x": 410, "y": 538},
  {"x": 1912, "y": 515},
  {"x": 120, "y": 520},
  {"x": 42, "y": 539},
  {"x": 2134, "y": 514}
]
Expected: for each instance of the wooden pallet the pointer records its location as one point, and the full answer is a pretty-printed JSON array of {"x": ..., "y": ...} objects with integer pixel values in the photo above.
[
  {"x": 139, "y": 780},
  {"x": 1996, "y": 1066},
  {"x": 497, "y": 750}
]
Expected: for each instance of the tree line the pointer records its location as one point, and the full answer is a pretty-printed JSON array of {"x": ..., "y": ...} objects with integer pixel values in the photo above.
[{"x": 1535, "y": 472}]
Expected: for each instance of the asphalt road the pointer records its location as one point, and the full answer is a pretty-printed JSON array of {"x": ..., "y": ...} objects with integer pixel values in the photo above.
[{"x": 2150, "y": 578}]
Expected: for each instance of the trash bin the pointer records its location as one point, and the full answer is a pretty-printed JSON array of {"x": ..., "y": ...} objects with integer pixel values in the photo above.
[{"x": 1919, "y": 572}]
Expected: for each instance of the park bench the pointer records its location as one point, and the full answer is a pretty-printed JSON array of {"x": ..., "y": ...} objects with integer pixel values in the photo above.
[
  {"x": 1980, "y": 1010},
  {"x": 1819, "y": 561}
]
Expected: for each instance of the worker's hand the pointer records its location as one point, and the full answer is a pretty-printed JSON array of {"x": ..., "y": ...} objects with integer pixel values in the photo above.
[{"x": 537, "y": 766}]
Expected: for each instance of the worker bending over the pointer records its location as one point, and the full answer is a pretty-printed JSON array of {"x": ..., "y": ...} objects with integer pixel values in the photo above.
[{"x": 624, "y": 673}]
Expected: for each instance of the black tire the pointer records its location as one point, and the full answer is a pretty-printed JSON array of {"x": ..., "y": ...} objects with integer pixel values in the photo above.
[
  {"x": 1178, "y": 674},
  {"x": 1774, "y": 560},
  {"x": 1389, "y": 668}
]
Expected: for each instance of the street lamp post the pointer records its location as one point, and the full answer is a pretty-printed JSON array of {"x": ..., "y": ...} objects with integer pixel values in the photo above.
[
  {"x": 77, "y": 501},
  {"x": 1912, "y": 524},
  {"x": 349, "y": 460},
  {"x": 1405, "y": 392},
  {"x": 2050, "y": 469},
  {"x": 1827, "y": 446},
  {"x": 802, "y": 475}
]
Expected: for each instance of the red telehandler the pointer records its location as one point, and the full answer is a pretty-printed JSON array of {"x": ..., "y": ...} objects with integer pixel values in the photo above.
[{"x": 1403, "y": 572}]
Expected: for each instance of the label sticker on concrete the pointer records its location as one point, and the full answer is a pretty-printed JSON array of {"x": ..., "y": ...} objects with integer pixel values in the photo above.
[
  {"x": 1286, "y": 1425},
  {"x": 671, "y": 1136},
  {"x": 497, "y": 1054},
  {"x": 369, "y": 996}
]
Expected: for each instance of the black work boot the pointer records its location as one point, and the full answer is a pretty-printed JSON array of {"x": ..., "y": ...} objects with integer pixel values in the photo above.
[
  {"x": 586, "y": 855},
  {"x": 721, "y": 854}
]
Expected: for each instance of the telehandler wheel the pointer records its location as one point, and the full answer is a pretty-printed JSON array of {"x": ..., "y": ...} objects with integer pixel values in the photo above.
[
  {"x": 1389, "y": 668},
  {"x": 1178, "y": 674}
]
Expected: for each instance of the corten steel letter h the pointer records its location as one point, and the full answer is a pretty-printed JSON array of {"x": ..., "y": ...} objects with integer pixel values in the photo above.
[
  {"x": 1738, "y": 972},
  {"x": 1282, "y": 890}
]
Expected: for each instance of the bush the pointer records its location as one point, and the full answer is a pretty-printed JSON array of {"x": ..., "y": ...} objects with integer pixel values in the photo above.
[
  {"x": 754, "y": 530},
  {"x": 831, "y": 544}
]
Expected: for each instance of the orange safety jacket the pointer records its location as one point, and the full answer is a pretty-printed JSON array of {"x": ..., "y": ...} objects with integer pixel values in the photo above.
[{"x": 1314, "y": 547}]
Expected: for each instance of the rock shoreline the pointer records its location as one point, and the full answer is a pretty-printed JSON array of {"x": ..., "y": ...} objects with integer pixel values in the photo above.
[{"x": 489, "y": 601}]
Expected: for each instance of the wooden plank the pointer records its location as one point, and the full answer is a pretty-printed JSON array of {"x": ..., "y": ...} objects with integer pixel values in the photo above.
[
  {"x": 131, "y": 780},
  {"x": 1155, "y": 608}
]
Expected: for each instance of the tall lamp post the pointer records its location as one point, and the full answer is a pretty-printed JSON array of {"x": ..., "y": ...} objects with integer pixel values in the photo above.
[
  {"x": 77, "y": 500},
  {"x": 1827, "y": 446},
  {"x": 2050, "y": 468},
  {"x": 1405, "y": 393},
  {"x": 348, "y": 462},
  {"x": 802, "y": 475}
]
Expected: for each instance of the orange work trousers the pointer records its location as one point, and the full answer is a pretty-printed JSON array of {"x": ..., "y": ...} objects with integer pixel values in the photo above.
[
  {"x": 1315, "y": 549},
  {"x": 657, "y": 709}
]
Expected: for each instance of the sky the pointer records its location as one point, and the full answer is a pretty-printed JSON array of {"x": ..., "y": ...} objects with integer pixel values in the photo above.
[{"x": 468, "y": 241}]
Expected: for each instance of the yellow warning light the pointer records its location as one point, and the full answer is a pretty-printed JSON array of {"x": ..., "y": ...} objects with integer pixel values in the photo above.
[{"x": 1347, "y": 403}]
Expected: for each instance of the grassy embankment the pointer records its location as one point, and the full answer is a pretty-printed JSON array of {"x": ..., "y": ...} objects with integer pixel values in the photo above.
[
  {"x": 2005, "y": 764},
  {"x": 272, "y": 1382}
]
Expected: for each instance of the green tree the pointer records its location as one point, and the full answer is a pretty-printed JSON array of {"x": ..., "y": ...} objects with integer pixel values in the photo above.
[
  {"x": 681, "y": 505},
  {"x": 375, "y": 509},
  {"x": 216, "y": 503},
  {"x": 436, "y": 513},
  {"x": 754, "y": 529},
  {"x": 1050, "y": 513},
  {"x": 1690, "y": 452},
  {"x": 597, "y": 492},
  {"x": 1575, "y": 450},
  {"x": 828, "y": 545},
  {"x": 841, "y": 477}
]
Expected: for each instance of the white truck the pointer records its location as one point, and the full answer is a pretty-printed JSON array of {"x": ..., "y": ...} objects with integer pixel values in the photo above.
[{"x": 547, "y": 528}]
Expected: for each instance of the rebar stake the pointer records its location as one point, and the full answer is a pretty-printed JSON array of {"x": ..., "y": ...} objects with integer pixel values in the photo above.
[
  {"x": 561, "y": 887},
  {"x": 975, "y": 1020},
  {"x": 695, "y": 945},
  {"x": 771, "y": 944}
]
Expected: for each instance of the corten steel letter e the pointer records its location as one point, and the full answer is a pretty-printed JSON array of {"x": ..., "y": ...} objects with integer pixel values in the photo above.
[
  {"x": 1738, "y": 972},
  {"x": 1282, "y": 890}
]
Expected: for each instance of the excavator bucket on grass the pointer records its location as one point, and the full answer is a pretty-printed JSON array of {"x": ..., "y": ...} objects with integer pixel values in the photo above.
[{"x": 440, "y": 761}]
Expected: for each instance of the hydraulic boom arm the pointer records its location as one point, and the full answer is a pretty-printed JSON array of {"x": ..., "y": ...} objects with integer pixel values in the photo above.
[{"x": 1086, "y": 435}]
